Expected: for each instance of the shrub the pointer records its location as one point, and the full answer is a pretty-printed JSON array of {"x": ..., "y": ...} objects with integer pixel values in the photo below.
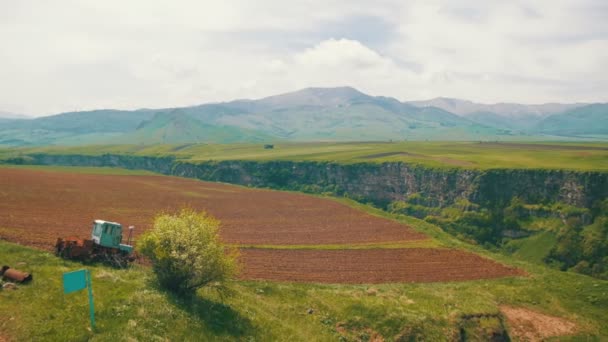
[{"x": 186, "y": 252}]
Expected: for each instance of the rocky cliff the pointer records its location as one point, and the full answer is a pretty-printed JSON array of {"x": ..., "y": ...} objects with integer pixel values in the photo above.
[
  {"x": 370, "y": 182},
  {"x": 489, "y": 207}
]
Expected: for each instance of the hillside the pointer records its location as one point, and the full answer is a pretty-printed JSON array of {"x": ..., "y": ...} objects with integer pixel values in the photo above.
[
  {"x": 311, "y": 114},
  {"x": 586, "y": 120},
  {"x": 512, "y": 116},
  {"x": 464, "y": 107},
  {"x": 175, "y": 127},
  {"x": 9, "y": 115}
]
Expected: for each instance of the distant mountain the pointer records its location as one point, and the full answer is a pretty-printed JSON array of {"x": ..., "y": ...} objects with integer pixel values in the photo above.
[
  {"x": 513, "y": 116},
  {"x": 9, "y": 115},
  {"x": 74, "y": 127},
  {"x": 311, "y": 114},
  {"x": 587, "y": 120},
  {"x": 174, "y": 127},
  {"x": 314, "y": 97},
  {"x": 465, "y": 107},
  {"x": 338, "y": 114}
]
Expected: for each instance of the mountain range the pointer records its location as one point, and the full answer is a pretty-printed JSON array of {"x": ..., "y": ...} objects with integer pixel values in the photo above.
[
  {"x": 9, "y": 115},
  {"x": 313, "y": 114}
]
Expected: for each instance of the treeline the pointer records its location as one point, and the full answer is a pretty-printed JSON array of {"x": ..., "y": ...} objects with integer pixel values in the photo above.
[
  {"x": 584, "y": 248},
  {"x": 582, "y": 234}
]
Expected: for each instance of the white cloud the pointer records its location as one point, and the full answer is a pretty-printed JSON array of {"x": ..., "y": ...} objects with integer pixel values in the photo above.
[
  {"x": 334, "y": 53},
  {"x": 66, "y": 55}
]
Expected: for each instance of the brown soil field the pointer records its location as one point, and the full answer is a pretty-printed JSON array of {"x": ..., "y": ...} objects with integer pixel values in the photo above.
[
  {"x": 370, "y": 265},
  {"x": 38, "y": 206},
  {"x": 528, "y": 325}
]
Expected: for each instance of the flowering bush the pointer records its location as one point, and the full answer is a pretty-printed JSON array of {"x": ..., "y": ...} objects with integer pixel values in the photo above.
[{"x": 186, "y": 252}]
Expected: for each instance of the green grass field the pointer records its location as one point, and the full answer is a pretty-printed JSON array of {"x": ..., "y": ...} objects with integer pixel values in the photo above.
[
  {"x": 533, "y": 248},
  {"x": 84, "y": 169},
  {"x": 486, "y": 155},
  {"x": 427, "y": 243}
]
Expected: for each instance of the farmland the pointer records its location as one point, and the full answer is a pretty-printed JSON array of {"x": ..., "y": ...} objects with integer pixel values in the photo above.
[
  {"x": 409, "y": 282},
  {"x": 474, "y": 155},
  {"x": 43, "y": 205}
]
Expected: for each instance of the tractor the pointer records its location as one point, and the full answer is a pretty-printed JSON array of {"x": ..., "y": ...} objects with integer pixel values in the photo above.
[{"x": 105, "y": 245}]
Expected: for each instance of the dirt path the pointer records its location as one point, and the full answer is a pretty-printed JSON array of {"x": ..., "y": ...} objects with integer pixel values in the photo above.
[{"x": 528, "y": 325}]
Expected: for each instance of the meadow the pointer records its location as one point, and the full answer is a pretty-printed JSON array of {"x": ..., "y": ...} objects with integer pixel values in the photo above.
[{"x": 477, "y": 155}]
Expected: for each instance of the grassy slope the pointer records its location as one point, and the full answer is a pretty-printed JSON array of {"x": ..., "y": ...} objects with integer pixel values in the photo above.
[
  {"x": 534, "y": 248},
  {"x": 130, "y": 306},
  {"x": 579, "y": 156}
]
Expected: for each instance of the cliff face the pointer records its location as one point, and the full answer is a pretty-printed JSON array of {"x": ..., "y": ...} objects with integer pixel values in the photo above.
[
  {"x": 156, "y": 164},
  {"x": 378, "y": 183},
  {"x": 490, "y": 207},
  {"x": 581, "y": 189}
]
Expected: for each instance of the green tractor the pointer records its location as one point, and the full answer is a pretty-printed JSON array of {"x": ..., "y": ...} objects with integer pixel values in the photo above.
[{"x": 105, "y": 245}]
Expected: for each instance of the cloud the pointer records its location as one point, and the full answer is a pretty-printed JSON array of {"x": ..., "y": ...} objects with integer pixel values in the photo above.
[
  {"x": 67, "y": 54},
  {"x": 345, "y": 53}
]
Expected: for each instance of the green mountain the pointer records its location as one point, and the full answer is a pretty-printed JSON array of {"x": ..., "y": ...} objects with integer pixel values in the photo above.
[
  {"x": 175, "y": 127},
  {"x": 510, "y": 116},
  {"x": 326, "y": 114},
  {"x": 8, "y": 115},
  {"x": 587, "y": 120},
  {"x": 73, "y": 127},
  {"x": 520, "y": 122},
  {"x": 465, "y": 107},
  {"x": 340, "y": 113}
]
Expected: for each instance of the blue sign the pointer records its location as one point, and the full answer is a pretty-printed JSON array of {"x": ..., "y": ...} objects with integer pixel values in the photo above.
[{"x": 74, "y": 281}]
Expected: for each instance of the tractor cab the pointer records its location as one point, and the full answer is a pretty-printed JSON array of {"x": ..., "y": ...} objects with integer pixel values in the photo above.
[{"x": 109, "y": 234}]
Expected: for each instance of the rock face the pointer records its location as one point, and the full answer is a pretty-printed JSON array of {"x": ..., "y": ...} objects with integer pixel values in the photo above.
[{"x": 378, "y": 183}]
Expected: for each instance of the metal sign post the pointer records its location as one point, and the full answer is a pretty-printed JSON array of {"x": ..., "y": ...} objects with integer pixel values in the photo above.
[
  {"x": 76, "y": 281},
  {"x": 91, "y": 305}
]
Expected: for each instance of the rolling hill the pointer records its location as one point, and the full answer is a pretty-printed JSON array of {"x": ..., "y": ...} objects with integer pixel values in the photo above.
[
  {"x": 175, "y": 128},
  {"x": 9, "y": 115},
  {"x": 587, "y": 120},
  {"x": 319, "y": 114},
  {"x": 512, "y": 116}
]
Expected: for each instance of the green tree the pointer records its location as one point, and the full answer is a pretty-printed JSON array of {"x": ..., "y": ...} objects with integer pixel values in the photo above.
[{"x": 186, "y": 252}]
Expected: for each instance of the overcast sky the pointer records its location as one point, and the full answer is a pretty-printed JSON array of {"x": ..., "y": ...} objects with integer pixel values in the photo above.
[{"x": 61, "y": 55}]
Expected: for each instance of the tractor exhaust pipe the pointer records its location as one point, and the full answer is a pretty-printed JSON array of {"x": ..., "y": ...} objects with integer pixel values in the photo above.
[{"x": 130, "y": 235}]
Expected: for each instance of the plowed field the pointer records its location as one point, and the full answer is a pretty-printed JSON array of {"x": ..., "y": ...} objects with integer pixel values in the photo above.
[
  {"x": 370, "y": 266},
  {"x": 38, "y": 206}
]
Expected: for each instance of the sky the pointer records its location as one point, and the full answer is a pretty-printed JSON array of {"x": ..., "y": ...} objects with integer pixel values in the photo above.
[{"x": 58, "y": 56}]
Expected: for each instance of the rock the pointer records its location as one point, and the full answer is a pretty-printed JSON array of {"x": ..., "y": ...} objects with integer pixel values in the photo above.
[
  {"x": 9, "y": 286},
  {"x": 371, "y": 291}
]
